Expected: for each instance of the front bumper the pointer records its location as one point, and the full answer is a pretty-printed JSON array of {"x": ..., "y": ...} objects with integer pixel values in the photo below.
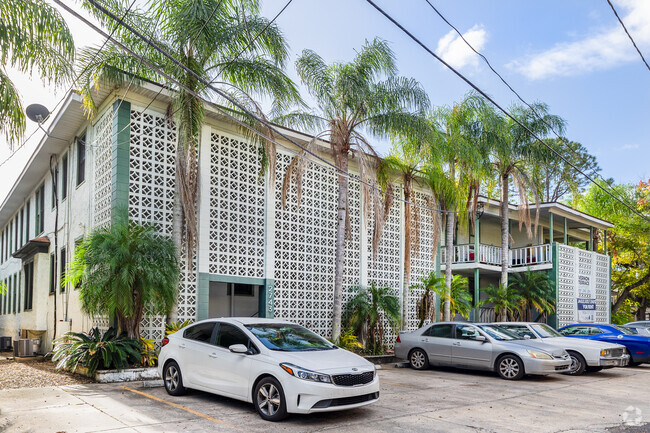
[
  {"x": 619, "y": 361},
  {"x": 546, "y": 366},
  {"x": 308, "y": 397}
]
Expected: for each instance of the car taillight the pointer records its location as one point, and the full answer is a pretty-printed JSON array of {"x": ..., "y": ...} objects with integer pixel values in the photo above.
[
  {"x": 164, "y": 342},
  {"x": 398, "y": 340}
]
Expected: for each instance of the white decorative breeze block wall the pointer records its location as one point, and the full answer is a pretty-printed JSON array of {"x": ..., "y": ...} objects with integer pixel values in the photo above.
[{"x": 103, "y": 150}]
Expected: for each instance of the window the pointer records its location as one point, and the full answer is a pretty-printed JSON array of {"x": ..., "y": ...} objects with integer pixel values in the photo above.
[
  {"x": 289, "y": 337},
  {"x": 575, "y": 330},
  {"x": 11, "y": 239},
  {"x": 521, "y": 330},
  {"x": 52, "y": 273},
  {"x": 441, "y": 331},
  {"x": 201, "y": 332},
  {"x": 228, "y": 334},
  {"x": 13, "y": 294},
  {"x": 29, "y": 285},
  {"x": 27, "y": 222},
  {"x": 39, "y": 225},
  {"x": 62, "y": 269},
  {"x": 16, "y": 233},
  {"x": 81, "y": 159},
  {"x": 55, "y": 186},
  {"x": 2, "y": 247},
  {"x": 241, "y": 290},
  {"x": 64, "y": 177},
  {"x": 466, "y": 332},
  {"x": 22, "y": 227}
]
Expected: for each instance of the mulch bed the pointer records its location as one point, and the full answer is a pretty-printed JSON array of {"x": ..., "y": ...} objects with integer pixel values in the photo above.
[{"x": 35, "y": 373}]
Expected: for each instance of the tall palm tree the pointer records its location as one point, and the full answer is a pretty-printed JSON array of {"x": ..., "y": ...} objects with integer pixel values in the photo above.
[
  {"x": 33, "y": 35},
  {"x": 536, "y": 291},
  {"x": 224, "y": 42},
  {"x": 454, "y": 172},
  {"x": 407, "y": 160},
  {"x": 513, "y": 153},
  {"x": 123, "y": 270},
  {"x": 354, "y": 100}
]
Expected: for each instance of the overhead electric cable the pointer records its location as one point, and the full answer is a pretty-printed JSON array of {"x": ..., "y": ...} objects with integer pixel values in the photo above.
[
  {"x": 628, "y": 34},
  {"x": 510, "y": 116},
  {"x": 222, "y": 110}
]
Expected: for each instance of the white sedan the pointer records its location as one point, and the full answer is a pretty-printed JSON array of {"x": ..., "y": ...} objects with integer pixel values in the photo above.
[{"x": 278, "y": 366}]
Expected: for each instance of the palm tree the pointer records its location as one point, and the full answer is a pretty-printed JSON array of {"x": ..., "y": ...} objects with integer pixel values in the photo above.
[
  {"x": 33, "y": 35},
  {"x": 459, "y": 298},
  {"x": 513, "y": 153},
  {"x": 224, "y": 42},
  {"x": 505, "y": 300},
  {"x": 407, "y": 160},
  {"x": 456, "y": 166},
  {"x": 426, "y": 306},
  {"x": 353, "y": 102},
  {"x": 366, "y": 312},
  {"x": 123, "y": 270},
  {"x": 536, "y": 291}
]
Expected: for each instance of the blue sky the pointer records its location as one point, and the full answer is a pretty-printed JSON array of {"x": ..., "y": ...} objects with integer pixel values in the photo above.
[{"x": 571, "y": 54}]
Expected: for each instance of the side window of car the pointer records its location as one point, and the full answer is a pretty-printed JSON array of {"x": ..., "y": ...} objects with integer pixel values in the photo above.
[
  {"x": 594, "y": 331},
  {"x": 441, "y": 331},
  {"x": 521, "y": 331},
  {"x": 201, "y": 332},
  {"x": 574, "y": 330},
  {"x": 465, "y": 332},
  {"x": 228, "y": 334}
]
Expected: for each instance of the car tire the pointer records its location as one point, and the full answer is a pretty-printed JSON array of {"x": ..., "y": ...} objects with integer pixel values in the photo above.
[
  {"x": 173, "y": 379},
  {"x": 578, "y": 364},
  {"x": 269, "y": 399},
  {"x": 418, "y": 359},
  {"x": 594, "y": 369},
  {"x": 510, "y": 367}
]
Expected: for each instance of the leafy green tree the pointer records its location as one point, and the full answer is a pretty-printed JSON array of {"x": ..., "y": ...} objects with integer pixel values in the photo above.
[
  {"x": 514, "y": 152},
  {"x": 33, "y": 36},
  {"x": 536, "y": 291},
  {"x": 459, "y": 298},
  {"x": 366, "y": 312},
  {"x": 124, "y": 270},
  {"x": 355, "y": 100},
  {"x": 225, "y": 42},
  {"x": 505, "y": 300}
]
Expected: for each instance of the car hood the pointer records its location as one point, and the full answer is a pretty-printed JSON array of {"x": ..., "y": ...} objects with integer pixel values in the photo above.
[
  {"x": 325, "y": 361},
  {"x": 538, "y": 345},
  {"x": 567, "y": 342}
]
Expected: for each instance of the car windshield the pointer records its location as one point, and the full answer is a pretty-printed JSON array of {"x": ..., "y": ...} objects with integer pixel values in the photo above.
[
  {"x": 499, "y": 332},
  {"x": 545, "y": 331},
  {"x": 288, "y": 337},
  {"x": 625, "y": 330}
]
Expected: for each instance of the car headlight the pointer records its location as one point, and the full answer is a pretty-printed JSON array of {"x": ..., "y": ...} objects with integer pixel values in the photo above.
[
  {"x": 605, "y": 352},
  {"x": 303, "y": 373},
  {"x": 539, "y": 355}
]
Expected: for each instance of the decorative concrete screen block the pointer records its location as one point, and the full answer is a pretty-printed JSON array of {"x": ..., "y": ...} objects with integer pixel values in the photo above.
[
  {"x": 351, "y": 264},
  {"x": 103, "y": 134},
  {"x": 581, "y": 274},
  {"x": 237, "y": 208}
]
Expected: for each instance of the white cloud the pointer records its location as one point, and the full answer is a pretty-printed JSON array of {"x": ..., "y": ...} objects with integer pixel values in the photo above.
[
  {"x": 455, "y": 51},
  {"x": 606, "y": 48},
  {"x": 629, "y": 146}
]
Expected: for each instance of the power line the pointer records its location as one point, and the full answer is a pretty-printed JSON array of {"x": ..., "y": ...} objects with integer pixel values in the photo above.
[
  {"x": 220, "y": 109},
  {"x": 628, "y": 34},
  {"x": 486, "y": 96},
  {"x": 540, "y": 117}
]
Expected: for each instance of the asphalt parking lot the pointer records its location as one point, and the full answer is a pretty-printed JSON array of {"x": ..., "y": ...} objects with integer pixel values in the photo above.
[{"x": 411, "y": 401}]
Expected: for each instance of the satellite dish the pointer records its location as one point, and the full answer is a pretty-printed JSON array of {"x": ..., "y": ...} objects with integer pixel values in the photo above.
[
  {"x": 37, "y": 113},
  {"x": 480, "y": 209}
]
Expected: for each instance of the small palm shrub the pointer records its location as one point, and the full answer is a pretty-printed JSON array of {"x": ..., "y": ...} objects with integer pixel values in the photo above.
[
  {"x": 170, "y": 328},
  {"x": 94, "y": 349}
]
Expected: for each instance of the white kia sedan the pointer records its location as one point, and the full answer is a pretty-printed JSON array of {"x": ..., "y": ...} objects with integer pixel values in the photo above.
[{"x": 280, "y": 367}]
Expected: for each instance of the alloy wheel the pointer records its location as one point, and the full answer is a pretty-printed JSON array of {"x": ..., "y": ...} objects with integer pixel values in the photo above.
[
  {"x": 509, "y": 368},
  {"x": 417, "y": 359},
  {"x": 171, "y": 378},
  {"x": 268, "y": 399}
]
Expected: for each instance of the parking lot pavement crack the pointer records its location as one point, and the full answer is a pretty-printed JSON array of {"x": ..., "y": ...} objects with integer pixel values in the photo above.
[{"x": 98, "y": 409}]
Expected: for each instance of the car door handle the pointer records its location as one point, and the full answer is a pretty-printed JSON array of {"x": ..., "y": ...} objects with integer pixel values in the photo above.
[
  {"x": 424, "y": 340},
  {"x": 213, "y": 355},
  {"x": 456, "y": 343},
  {"x": 181, "y": 346}
]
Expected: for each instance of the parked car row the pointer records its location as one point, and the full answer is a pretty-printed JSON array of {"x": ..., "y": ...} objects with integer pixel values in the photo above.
[{"x": 282, "y": 367}]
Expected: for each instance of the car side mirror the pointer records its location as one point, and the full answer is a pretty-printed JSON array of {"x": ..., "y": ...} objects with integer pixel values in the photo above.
[
  {"x": 238, "y": 348},
  {"x": 480, "y": 338}
]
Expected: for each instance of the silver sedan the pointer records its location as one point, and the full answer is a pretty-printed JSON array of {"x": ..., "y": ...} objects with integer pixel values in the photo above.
[{"x": 479, "y": 347}]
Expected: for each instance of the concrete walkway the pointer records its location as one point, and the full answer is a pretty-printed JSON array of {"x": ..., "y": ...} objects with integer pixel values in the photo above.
[{"x": 411, "y": 401}]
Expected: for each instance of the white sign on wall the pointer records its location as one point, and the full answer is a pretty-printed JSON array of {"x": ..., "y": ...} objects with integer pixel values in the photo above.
[{"x": 586, "y": 297}]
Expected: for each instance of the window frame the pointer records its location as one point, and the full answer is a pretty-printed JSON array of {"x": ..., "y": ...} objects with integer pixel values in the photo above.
[
  {"x": 427, "y": 332},
  {"x": 64, "y": 177},
  {"x": 29, "y": 285},
  {"x": 81, "y": 159},
  {"x": 212, "y": 336}
]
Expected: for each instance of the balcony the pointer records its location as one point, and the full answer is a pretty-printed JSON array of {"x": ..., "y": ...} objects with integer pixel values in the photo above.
[{"x": 491, "y": 255}]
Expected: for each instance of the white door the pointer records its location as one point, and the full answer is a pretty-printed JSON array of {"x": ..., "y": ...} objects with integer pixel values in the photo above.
[
  {"x": 230, "y": 372},
  {"x": 194, "y": 349}
]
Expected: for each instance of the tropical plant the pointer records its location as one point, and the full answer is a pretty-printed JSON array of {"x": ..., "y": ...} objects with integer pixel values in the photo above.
[
  {"x": 536, "y": 291},
  {"x": 170, "y": 328},
  {"x": 426, "y": 307},
  {"x": 349, "y": 341},
  {"x": 148, "y": 352},
  {"x": 33, "y": 35},
  {"x": 94, "y": 349},
  {"x": 224, "y": 42},
  {"x": 505, "y": 300},
  {"x": 366, "y": 312},
  {"x": 124, "y": 270},
  {"x": 459, "y": 298},
  {"x": 513, "y": 155},
  {"x": 353, "y": 103}
]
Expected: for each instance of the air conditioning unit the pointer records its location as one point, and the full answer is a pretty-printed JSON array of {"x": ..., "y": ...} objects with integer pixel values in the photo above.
[
  {"x": 25, "y": 347},
  {"x": 5, "y": 343}
]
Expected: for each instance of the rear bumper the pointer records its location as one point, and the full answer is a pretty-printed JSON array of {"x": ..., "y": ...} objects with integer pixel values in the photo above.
[{"x": 619, "y": 361}]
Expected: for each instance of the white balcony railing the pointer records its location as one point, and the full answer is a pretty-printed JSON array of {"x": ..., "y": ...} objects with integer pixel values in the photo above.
[{"x": 491, "y": 255}]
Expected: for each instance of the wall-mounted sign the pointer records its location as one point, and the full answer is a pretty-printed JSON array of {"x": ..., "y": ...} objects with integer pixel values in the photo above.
[{"x": 586, "y": 299}]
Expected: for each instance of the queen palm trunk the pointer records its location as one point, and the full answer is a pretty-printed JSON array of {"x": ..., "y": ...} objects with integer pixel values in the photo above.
[
  {"x": 408, "y": 222},
  {"x": 339, "y": 258},
  {"x": 505, "y": 234},
  {"x": 449, "y": 245}
]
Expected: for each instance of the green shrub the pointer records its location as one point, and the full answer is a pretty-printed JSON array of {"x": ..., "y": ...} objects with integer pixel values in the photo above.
[
  {"x": 148, "y": 352},
  {"x": 170, "y": 328},
  {"x": 92, "y": 349}
]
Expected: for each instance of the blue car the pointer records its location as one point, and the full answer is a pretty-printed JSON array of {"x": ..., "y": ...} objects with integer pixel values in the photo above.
[{"x": 638, "y": 346}]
